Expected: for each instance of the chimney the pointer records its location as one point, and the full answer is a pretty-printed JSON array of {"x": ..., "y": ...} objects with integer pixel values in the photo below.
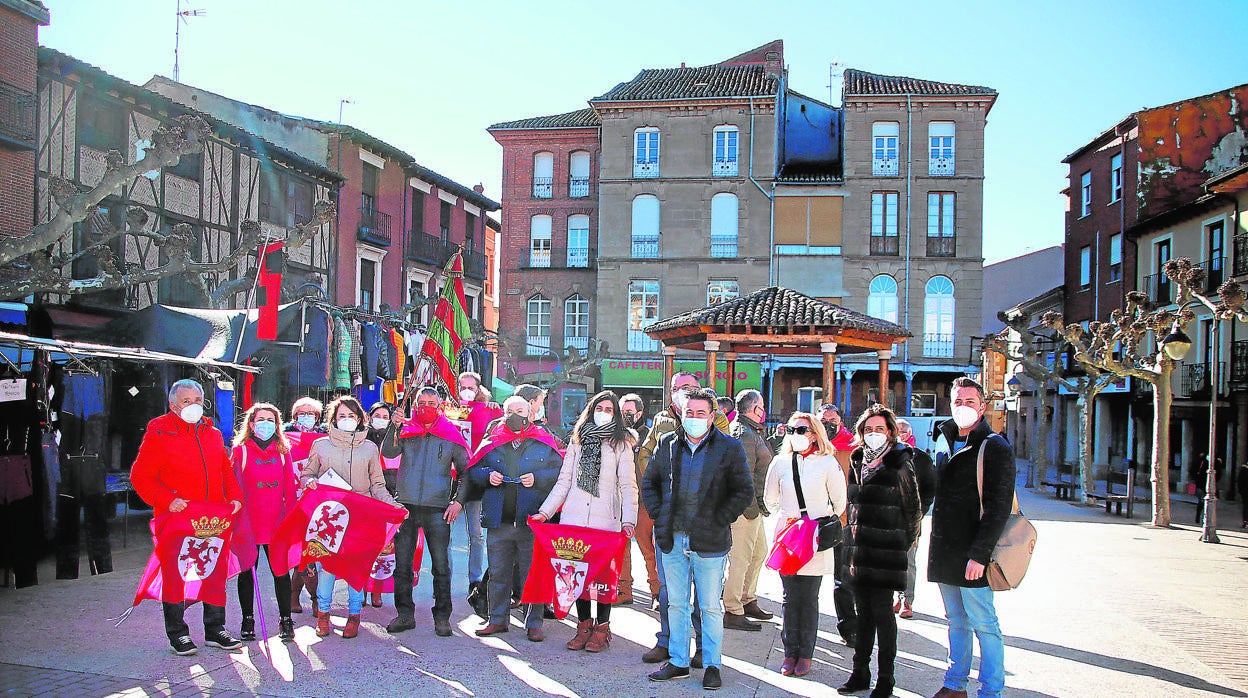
[
  {"x": 773, "y": 63},
  {"x": 480, "y": 189}
]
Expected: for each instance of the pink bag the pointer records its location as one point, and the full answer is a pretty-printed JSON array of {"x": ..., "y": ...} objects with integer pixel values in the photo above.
[{"x": 795, "y": 546}]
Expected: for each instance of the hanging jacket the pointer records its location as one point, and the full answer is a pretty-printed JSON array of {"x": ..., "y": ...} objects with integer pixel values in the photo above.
[
  {"x": 342, "y": 355},
  {"x": 312, "y": 368},
  {"x": 355, "y": 364}
]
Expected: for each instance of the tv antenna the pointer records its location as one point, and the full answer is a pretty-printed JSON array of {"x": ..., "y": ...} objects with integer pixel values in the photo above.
[
  {"x": 177, "y": 33},
  {"x": 342, "y": 103}
]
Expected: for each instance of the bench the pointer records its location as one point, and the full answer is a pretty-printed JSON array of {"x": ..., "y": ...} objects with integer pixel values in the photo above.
[
  {"x": 1064, "y": 484},
  {"x": 1115, "y": 500}
]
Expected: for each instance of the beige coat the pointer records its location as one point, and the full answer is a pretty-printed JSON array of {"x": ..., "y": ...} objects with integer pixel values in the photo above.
[
  {"x": 354, "y": 458},
  {"x": 823, "y": 487},
  {"x": 616, "y": 503}
]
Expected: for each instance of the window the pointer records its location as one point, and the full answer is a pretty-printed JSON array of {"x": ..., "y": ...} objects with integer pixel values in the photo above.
[
  {"x": 940, "y": 225},
  {"x": 884, "y": 223},
  {"x": 1085, "y": 189},
  {"x": 444, "y": 222},
  {"x": 1160, "y": 286},
  {"x": 646, "y": 152},
  {"x": 470, "y": 232},
  {"x": 539, "y": 241},
  {"x": 938, "y": 318},
  {"x": 576, "y": 322},
  {"x": 724, "y": 225},
  {"x": 578, "y": 174},
  {"x": 543, "y": 175},
  {"x": 537, "y": 328},
  {"x": 725, "y": 155},
  {"x": 884, "y": 135},
  {"x": 1115, "y": 257},
  {"x": 101, "y": 124},
  {"x": 1214, "y": 253},
  {"x": 646, "y": 227},
  {"x": 1085, "y": 268},
  {"x": 643, "y": 311},
  {"x": 416, "y": 290},
  {"x": 882, "y": 298},
  {"x": 368, "y": 189},
  {"x": 578, "y": 241},
  {"x": 283, "y": 198},
  {"x": 190, "y": 166},
  {"x": 368, "y": 284},
  {"x": 1115, "y": 178},
  {"x": 418, "y": 211},
  {"x": 940, "y": 159},
  {"x": 722, "y": 291}
]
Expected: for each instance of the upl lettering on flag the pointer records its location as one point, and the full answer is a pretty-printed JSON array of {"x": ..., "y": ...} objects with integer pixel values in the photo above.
[{"x": 573, "y": 562}]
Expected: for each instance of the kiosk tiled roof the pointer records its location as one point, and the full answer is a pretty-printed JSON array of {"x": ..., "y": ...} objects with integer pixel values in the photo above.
[{"x": 779, "y": 308}]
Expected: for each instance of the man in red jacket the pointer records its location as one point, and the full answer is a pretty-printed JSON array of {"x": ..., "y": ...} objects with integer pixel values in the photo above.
[{"x": 183, "y": 459}]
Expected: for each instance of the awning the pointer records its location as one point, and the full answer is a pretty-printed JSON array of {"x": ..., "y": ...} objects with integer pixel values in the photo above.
[
  {"x": 216, "y": 335},
  {"x": 501, "y": 390},
  {"x": 76, "y": 351}
]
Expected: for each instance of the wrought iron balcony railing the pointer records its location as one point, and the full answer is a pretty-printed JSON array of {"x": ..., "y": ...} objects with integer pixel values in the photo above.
[
  {"x": 17, "y": 116},
  {"x": 884, "y": 245},
  {"x": 374, "y": 227},
  {"x": 942, "y": 246}
]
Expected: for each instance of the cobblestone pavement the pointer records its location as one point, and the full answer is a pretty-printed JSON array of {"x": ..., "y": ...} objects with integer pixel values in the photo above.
[{"x": 1111, "y": 607}]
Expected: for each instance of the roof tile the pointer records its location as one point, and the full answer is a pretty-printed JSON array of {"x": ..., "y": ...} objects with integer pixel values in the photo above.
[
  {"x": 581, "y": 118},
  {"x": 708, "y": 81},
  {"x": 860, "y": 82},
  {"x": 779, "y": 307}
]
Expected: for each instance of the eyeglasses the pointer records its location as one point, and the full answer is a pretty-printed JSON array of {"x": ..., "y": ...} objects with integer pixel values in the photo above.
[{"x": 799, "y": 430}]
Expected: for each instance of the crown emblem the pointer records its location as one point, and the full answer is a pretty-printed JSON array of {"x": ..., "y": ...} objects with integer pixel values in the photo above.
[
  {"x": 209, "y": 527},
  {"x": 570, "y": 548}
]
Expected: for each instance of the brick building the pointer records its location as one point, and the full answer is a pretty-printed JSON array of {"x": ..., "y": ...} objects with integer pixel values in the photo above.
[{"x": 19, "y": 44}]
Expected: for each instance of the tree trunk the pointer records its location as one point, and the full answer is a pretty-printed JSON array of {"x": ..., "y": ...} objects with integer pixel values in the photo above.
[
  {"x": 1039, "y": 440},
  {"x": 1086, "y": 480},
  {"x": 1162, "y": 397}
]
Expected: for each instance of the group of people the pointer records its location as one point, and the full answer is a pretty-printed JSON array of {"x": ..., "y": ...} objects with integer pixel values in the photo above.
[{"x": 693, "y": 489}]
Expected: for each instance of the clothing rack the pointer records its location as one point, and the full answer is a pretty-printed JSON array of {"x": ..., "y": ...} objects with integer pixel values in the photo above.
[{"x": 357, "y": 314}]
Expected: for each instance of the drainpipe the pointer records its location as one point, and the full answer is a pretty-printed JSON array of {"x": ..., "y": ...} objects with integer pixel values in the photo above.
[
  {"x": 905, "y": 359},
  {"x": 771, "y": 277}
]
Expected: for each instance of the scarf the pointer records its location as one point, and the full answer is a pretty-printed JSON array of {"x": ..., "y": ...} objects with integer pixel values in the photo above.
[
  {"x": 872, "y": 460},
  {"x": 590, "y": 467}
]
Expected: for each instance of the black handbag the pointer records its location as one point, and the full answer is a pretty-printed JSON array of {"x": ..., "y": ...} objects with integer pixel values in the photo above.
[{"x": 829, "y": 526}]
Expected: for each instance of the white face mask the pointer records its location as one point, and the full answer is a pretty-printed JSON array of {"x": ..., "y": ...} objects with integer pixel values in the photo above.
[
  {"x": 965, "y": 417},
  {"x": 799, "y": 442},
  {"x": 379, "y": 423},
  {"x": 306, "y": 421},
  {"x": 695, "y": 426},
  {"x": 348, "y": 424},
  {"x": 192, "y": 413},
  {"x": 875, "y": 440},
  {"x": 679, "y": 398},
  {"x": 540, "y": 413},
  {"x": 466, "y": 395},
  {"x": 602, "y": 419}
]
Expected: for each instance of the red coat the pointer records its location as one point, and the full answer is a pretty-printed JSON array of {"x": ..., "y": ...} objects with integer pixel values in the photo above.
[
  {"x": 183, "y": 460},
  {"x": 268, "y": 481}
]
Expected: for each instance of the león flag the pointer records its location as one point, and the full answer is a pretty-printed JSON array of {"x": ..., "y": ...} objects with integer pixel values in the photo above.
[
  {"x": 191, "y": 558},
  {"x": 573, "y": 562},
  {"x": 343, "y": 531}
]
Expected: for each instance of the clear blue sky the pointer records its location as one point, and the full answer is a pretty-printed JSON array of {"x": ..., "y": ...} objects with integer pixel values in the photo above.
[{"x": 430, "y": 77}]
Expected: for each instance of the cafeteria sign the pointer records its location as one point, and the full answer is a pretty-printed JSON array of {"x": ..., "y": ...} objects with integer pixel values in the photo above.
[{"x": 648, "y": 373}]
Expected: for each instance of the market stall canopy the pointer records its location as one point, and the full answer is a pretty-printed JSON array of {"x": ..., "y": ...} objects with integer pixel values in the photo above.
[
  {"x": 198, "y": 333},
  {"x": 76, "y": 351}
]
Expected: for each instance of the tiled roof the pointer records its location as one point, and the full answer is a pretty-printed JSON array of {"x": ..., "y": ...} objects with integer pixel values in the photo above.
[
  {"x": 780, "y": 308},
  {"x": 581, "y": 118},
  {"x": 709, "y": 81},
  {"x": 860, "y": 82}
]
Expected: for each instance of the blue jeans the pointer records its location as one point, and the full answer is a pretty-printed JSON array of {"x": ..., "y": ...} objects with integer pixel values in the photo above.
[
  {"x": 971, "y": 609},
  {"x": 325, "y": 594},
  {"x": 476, "y": 540},
  {"x": 665, "y": 629},
  {"x": 706, "y": 572}
]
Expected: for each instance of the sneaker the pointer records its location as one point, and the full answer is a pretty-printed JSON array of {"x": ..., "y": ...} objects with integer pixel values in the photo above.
[
  {"x": 670, "y": 671},
  {"x": 286, "y": 629},
  {"x": 222, "y": 639},
  {"x": 711, "y": 680},
  {"x": 247, "y": 630},
  {"x": 182, "y": 646}
]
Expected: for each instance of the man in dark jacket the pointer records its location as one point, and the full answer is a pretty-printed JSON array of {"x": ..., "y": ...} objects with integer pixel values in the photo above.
[
  {"x": 429, "y": 449},
  {"x": 695, "y": 486},
  {"x": 963, "y": 540},
  {"x": 925, "y": 475},
  {"x": 749, "y": 542}
]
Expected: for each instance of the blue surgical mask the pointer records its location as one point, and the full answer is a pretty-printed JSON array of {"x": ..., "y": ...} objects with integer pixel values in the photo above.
[
  {"x": 306, "y": 421},
  {"x": 264, "y": 430},
  {"x": 695, "y": 426}
]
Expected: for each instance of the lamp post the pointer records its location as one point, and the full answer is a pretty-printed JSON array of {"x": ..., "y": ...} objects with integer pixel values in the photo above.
[{"x": 1176, "y": 345}]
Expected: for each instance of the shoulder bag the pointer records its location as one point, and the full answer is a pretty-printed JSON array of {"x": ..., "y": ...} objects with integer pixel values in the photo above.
[
  {"x": 1012, "y": 555},
  {"x": 829, "y": 526}
]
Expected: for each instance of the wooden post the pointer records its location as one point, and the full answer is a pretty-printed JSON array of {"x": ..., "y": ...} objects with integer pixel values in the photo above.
[
  {"x": 712, "y": 359},
  {"x": 829, "y": 372},
  {"x": 884, "y": 355},
  {"x": 730, "y": 358},
  {"x": 669, "y": 367}
]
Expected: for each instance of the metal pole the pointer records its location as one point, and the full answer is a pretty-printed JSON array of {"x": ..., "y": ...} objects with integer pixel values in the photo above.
[{"x": 1209, "y": 534}]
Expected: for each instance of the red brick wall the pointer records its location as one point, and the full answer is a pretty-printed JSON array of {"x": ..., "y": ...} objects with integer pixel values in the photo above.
[{"x": 19, "y": 44}]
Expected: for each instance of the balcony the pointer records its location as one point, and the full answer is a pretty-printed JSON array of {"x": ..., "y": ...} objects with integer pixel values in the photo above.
[
  {"x": 578, "y": 257},
  {"x": 942, "y": 247},
  {"x": 638, "y": 340},
  {"x": 424, "y": 247},
  {"x": 581, "y": 343},
  {"x": 474, "y": 264},
  {"x": 939, "y": 346},
  {"x": 724, "y": 168},
  {"x": 374, "y": 227},
  {"x": 578, "y": 187},
  {"x": 543, "y": 187},
  {"x": 884, "y": 167},
  {"x": 645, "y": 247},
  {"x": 1239, "y": 363},
  {"x": 1159, "y": 289},
  {"x": 940, "y": 167},
  {"x": 17, "y": 117},
  {"x": 884, "y": 245},
  {"x": 1194, "y": 380},
  {"x": 1240, "y": 245},
  {"x": 539, "y": 259},
  {"x": 1215, "y": 273},
  {"x": 724, "y": 246},
  {"x": 536, "y": 346},
  {"x": 646, "y": 170}
]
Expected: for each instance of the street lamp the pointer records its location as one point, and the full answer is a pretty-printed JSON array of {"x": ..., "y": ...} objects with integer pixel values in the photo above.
[{"x": 1176, "y": 344}]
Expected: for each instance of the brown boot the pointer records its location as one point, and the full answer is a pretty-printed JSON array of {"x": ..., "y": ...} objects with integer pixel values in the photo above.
[
  {"x": 583, "y": 629},
  {"x": 352, "y": 627},
  {"x": 323, "y": 628},
  {"x": 376, "y": 599},
  {"x": 295, "y": 605},
  {"x": 600, "y": 639}
]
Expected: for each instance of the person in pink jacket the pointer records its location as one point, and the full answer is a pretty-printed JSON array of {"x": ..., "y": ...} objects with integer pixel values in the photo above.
[{"x": 261, "y": 458}]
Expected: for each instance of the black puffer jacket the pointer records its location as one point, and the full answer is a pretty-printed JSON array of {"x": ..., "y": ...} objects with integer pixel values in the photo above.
[{"x": 884, "y": 517}]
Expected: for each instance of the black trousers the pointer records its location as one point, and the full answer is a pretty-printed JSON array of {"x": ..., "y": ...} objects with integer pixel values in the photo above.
[
  {"x": 876, "y": 620},
  {"x": 247, "y": 588},
  {"x": 437, "y": 545},
  {"x": 583, "y": 611},
  {"x": 843, "y": 601},
  {"x": 801, "y": 615},
  {"x": 175, "y": 623}
]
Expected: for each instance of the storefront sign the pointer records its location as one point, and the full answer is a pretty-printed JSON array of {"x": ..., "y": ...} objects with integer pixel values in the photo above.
[
  {"x": 12, "y": 390},
  {"x": 648, "y": 373}
]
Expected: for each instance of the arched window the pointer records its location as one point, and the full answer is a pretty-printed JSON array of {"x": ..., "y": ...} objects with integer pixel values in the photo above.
[
  {"x": 576, "y": 322},
  {"x": 578, "y": 174},
  {"x": 539, "y": 241},
  {"x": 537, "y": 328},
  {"x": 882, "y": 298},
  {"x": 724, "y": 222},
  {"x": 543, "y": 175},
  {"x": 646, "y": 227},
  {"x": 938, "y": 318}
]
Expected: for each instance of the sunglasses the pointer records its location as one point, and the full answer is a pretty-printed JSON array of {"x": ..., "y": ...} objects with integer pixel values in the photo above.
[{"x": 799, "y": 430}]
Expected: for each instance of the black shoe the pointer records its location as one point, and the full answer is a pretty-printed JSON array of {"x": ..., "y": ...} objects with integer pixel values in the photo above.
[
  {"x": 657, "y": 654},
  {"x": 442, "y": 627},
  {"x": 695, "y": 662},
  {"x": 247, "y": 631},
  {"x": 849, "y": 639},
  {"x": 478, "y": 600},
  {"x": 711, "y": 680},
  {"x": 670, "y": 671},
  {"x": 738, "y": 621},
  {"x": 182, "y": 646},
  {"x": 858, "y": 681},
  {"x": 286, "y": 629},
  {"x": 400, "y": 623},
  {"x": 883, "y": 689},
  {"x": 548, "y": 613},
  {"x": 222, "y": 639}
]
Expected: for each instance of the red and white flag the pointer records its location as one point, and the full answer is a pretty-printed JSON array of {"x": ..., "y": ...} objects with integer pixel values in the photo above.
[
  {"x": 191, "y": 558},
  {"x": 573, "y": 562},
  {"x": 342, "y": 531},
  {"x": 381, "y": 580}
]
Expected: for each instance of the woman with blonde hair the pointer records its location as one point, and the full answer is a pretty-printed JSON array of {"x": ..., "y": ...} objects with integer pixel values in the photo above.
[
  {"x": 261, "y": 458},
  {"x": 597, "y": 488},
  {"x": 806, "y": 463}
]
